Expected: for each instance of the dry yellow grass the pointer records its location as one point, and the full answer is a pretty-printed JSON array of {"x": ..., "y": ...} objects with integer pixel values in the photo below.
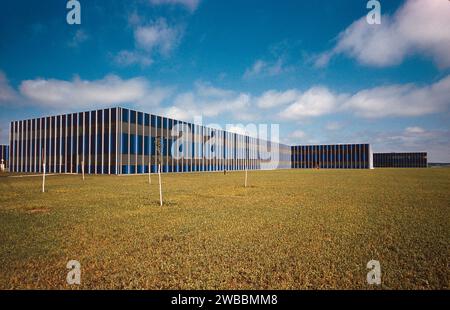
[{"x": 291, "y": 229}]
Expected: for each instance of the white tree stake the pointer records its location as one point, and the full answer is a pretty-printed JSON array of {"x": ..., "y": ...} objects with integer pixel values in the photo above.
[
  {"x": 246, "y": 175},
  {"x": 43, "y": 178},
  {"x": 149, "y": 176},
  {"x": 160, "y": 188},
  {"x": 82, "y": 169},
  {"x": 246, "y": 164}
]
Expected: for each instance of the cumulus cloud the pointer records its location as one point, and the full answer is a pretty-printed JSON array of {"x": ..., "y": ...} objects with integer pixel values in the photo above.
[
  {"x": 414, "y": 130},
  {"x": 404, "y": 100},
  {"x": 7, "y": 93},
  {"x": 79, "y": 37},
  {"x": 157, "y": 36},
  {"x": 298, "y": 134},
  {"x": 298, "y": 137},
  {"x": 191, "y": 5},
  {"x": 151, "y": 39},
  {"x": 314, "y": 102},
  {"x": 250, "y": 130},
  {"x": 84, "y": 94},
  {"x": 209, "y": 101},
  {"x": 266, "y": 68},
  {"x": 127, "y": 58},
  {"x": 417, "y": 27},
  {"x": 273, "y": 98},
  {"x": 62, "y": 95},
  {"x": 401, "y": 100}
]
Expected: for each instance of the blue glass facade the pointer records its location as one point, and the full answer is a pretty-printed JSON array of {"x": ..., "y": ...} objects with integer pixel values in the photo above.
[
  {"x": 337, "y": 156},
  {"x": 66, "y": 143},
  {"x": 123, "y": 141},
  {"x": 400, "y": 160},
  {"x": 202, "y": 148}
]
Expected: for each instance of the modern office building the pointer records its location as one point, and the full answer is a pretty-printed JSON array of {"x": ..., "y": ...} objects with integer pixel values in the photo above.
[
  {"x": 336, "y": 156},
  {"x": 4, "y": 155},
  {"x": 400, "y": 160},
  {"x": 123, "y": 141}
]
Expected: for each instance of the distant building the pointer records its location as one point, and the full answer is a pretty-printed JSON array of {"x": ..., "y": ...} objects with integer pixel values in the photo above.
[
  {"x": 335, "y": 156},
  {"x": 4, "y": 156},
  {"x": 400, "y": 160}
]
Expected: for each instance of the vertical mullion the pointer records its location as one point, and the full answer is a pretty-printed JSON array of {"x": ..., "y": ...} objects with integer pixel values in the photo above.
[
  {"x": 26, "y": 146},
  {"x": 60, "y": 144},
  {"x": 34, "y": 144},
  {"x": 55, "y": 145},
  {"x": 44, "y": 151},
  {"x": 14, "y": 145},
  {"x": 143, "y": 143},
  {"x": 109, "y": 139},
  {"x": 84, "y": 140},
  {"x": 96, "y": 142}
]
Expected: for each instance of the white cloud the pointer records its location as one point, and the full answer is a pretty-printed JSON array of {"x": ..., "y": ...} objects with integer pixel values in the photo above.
[
  {"x": 316, "y": 101},
  {"x": 414, "y": 130},
  {"x": 207, "y": 90},
  {"x": 177, "y": 113},
  {"x": 153, "y": 38},
  {"x": 157, "y": 36},
  {"x": 79, "y": 37},
  {"x": 401, "y": 100},
  {"x": 239, "y": 129},
  {"x": 273, "y": 98},
  {"x": 418, "y": 27},
  {"x": 298, "y": 137},
  {"x": 209, "y": 101},
  {"x": 322, "y": 60},
  {"x": 333, "y": 126},
  {"x": 298, "y": 134},
  {"x": 7, "y": 93},
  {"x": 127, "y": 58},
  {"x": 134, "y": 19},
  {"x": 191, "y": 5},
  {"x": 256, "y": 69},
  {"x": 264, "y": 68},
  {"x": 61, "y": 95},
  {"x": 250, "y": 130},
  {"x": 408, "y": 100},
  {"x": 154, "y": 96},
  {"x": 76, "y": 94}
]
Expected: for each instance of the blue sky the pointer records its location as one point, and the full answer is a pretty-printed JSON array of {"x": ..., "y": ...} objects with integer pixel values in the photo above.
[{"x": 316, "y": 68}]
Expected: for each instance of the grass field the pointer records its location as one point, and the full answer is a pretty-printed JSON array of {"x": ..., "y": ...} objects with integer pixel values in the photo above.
[{"x": 291, "y": 229}]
